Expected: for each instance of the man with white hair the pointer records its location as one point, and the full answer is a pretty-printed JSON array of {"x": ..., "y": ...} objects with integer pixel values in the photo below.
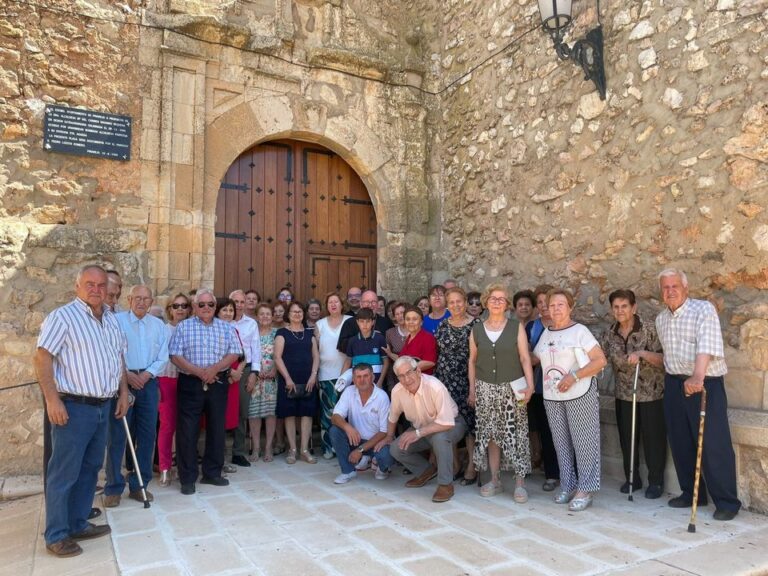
[
  {"x": 694, "y": 360},
  {"x": 248, "y": 331},
  {"x": 435, "y": 424},
  {"x": 202, "y": 348}
]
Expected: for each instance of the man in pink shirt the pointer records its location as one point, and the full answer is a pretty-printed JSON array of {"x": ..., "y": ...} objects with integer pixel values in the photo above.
[{"x": 435, "y": 424}]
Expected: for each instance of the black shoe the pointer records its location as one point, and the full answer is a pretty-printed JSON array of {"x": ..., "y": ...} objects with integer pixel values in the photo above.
[
  {"x": 188, "y": 489},
  {"x": 625, "y": 487},
  {"x": 240, "y": 461},
  {"x": 215, "y": 481},
  {"x": 654, "y": 491},
  {"x": 92, "y": 531},
  {"x": 94, "y": 513},
  {"x": 725, "y": 515},
  {"x": 684, "y": 501}
]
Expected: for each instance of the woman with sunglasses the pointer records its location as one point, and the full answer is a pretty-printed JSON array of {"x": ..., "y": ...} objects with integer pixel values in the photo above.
[
  {"x": 176, "y": 311},
  {"x": 297, "y": 360},
  {"x": 499, "y": 356},
  {"x": 474, "y": 306}
]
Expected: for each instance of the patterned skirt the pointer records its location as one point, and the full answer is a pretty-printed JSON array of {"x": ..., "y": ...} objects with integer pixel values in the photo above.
[
  {"x": 501, "y": 419},
  {"x": 263, "y": 399}
]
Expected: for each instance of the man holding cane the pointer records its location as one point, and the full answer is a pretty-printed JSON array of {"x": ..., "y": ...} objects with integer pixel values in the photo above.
[
  {"x": 694, "y": 359},
  {"x": 203, "y": 348},
  {"x": 79, "y": 364}
]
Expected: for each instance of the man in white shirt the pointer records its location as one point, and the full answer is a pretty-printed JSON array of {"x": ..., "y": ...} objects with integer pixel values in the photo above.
[
  {"x": 359, "y": 424},
  {"x": 248, "y": 330}
]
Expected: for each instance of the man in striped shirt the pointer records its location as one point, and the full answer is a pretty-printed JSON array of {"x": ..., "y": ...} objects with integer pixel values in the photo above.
[
  {"x": 694, "y": 359},
  {"x": 202, "y": 348},
  {"x": 79, "y": 364}
]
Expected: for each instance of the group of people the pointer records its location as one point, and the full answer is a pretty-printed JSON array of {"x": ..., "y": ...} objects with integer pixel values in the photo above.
[{"x": 512, "y": 377}]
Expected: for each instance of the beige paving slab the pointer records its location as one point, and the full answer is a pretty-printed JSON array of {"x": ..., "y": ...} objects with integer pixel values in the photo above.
[
  {"x": 214, "y": 554},
  {"x": 191, "y": 524},
  {"x": 634, "y": 538},
  {"x": 229, "y": 504},
  {"x": 318, "y": 536},
  {"x": 409, "y": 519},
  {"x": 358, "y": 563},
  {"x": 344, "y": 514},
  {"x": 141, "y": 548},
  {"x": 127, "y": 519},
  {"x": 367, "y": 495},
  {"x": 551, "y": 558},
  {"x": 284, "y": 510},
  {"x": 472, "y": 551},
  {"x": 284, "y": 559},
  {"x": 436, "y": 565},
  {"x": 514, "y": 569},
  {"x": 550, "y": 531},
  {"x": 651, "y": 568},
  {"x": 389, "y": 542},
  {"x": 611, "y": 555},
  {"x": 161, "y": 570},
  {"x": 475, "y": 524},
  {"x": 310, "y": 492}
]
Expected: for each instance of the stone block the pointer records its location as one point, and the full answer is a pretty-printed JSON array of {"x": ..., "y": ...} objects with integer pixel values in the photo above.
[
  {"x": 745, "y": 388},
  {"x": 183, "y": 186},
  {"x": 136, "y": 216},
  {"x": 180, "y": 238},
  {"x": 178, "y": 265},
  {"x": 754, "y": 338},
  {"x": 158, "y": 264}
]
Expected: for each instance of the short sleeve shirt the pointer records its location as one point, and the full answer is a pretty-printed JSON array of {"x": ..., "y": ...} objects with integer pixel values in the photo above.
[
  {"x": 561, "y": 351},
  {"x": 368, "y": 420}
]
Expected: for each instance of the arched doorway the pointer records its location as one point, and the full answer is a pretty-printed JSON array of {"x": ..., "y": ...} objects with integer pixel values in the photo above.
[{"x": 293, "y": 214}]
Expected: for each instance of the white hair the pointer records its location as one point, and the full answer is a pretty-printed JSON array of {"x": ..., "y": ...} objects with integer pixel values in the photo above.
[
  {"x": 137, "y": 286},
  {"x": 231, "y": 294},
  {"x": 86, "y": 268},
  {"x": 202, "y": 291},
  {"x": 667, "y": 272},
  {"x": 410, "y": 360}
]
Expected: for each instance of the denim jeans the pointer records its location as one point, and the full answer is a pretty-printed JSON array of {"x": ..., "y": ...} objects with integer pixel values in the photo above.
[
  {"x": 142, "y": 420},
  {"x": 76, "y": 458},
  {"x": 342, "y": 447}
]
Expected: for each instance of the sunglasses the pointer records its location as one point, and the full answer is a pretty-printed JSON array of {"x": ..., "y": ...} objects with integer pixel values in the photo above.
[
  {"x": 179, "y": 306},
  {"x": 206, "y": 304},
  {"x": 474, "y": 303}
]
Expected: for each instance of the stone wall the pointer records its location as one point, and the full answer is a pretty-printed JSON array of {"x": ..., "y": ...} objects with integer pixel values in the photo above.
[{"x": 545, "y": 182}]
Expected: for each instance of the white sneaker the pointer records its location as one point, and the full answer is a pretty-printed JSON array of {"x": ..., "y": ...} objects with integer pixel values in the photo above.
[
  {"x": 344, "y": 478},
  {"x": 381, "y": 474},
  {"x": 364, "y": 464}
]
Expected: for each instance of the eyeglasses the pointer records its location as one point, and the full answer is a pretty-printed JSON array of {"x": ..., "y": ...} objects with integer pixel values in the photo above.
[
  {"x": 179, "y": 306},
  {"x": 354, "y": 295},
  {"x": 206, "y": 304},
  {"x": 405, "y": 375},
  {"x": 497, "y": 300}
]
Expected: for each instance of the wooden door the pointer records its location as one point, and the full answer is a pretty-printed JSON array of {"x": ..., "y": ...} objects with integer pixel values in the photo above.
[{"x": 293, "y": 214}]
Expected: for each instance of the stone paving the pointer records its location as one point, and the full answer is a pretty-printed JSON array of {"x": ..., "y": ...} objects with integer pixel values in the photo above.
[{"x": 276, "y": 519}]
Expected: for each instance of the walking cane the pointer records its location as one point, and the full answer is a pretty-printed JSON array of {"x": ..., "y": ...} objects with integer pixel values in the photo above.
[
  {"x": 632, "y": 449},
  {"x": 133, "y": 454},
  {"x": 699, "y": 449}
]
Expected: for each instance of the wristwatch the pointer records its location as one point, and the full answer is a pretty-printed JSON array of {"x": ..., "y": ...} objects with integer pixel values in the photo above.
[
  {"x": 573, "y": 373},
  {"x": 361, "y": 450},
  {"x": 418, "y": 433}
]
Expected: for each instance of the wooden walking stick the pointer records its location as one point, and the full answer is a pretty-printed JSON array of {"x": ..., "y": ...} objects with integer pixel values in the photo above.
[
  {"x": 699, "y": 449},
  {"x": 634, "y": 421}
]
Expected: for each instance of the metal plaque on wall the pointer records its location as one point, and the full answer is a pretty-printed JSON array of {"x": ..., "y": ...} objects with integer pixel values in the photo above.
[{"x": 86, "y": 133}]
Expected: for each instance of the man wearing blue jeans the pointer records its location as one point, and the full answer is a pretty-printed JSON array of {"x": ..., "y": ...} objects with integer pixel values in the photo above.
[
  {"x": 358, "y": 424},
  {"x": 79, "y": 364},
  {"x": 145, "y": 358}
]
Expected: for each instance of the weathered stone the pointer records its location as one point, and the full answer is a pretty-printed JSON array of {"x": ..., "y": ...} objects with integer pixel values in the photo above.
[
  {"x": 754, "y": 338},
  {"x": 750, "y": 209},
  {"x": 647, "y": 58},
  {"x": 673, "y": 98},
  {"x": 642, "y": 30},
  {"x": 591, "y": 106}
]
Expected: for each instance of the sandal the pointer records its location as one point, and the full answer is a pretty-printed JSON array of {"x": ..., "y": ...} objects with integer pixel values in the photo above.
[
  {"x": 467, "y": 481},
  {"x": 521, "y": 495},
  {"x": 491, "y": 489},
  {"x": 267, "y": 456},
  {"x": 291, "y": 458},
  {"x": 307, "y": 457}
]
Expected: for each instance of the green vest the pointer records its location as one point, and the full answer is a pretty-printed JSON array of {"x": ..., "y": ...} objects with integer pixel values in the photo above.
[{"x": 500, "y": 361}]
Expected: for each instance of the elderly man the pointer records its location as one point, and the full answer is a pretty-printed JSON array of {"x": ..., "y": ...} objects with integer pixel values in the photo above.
[
  {"x": 145, "y": 358},
  {"x": 79, "y": 364},
  {"x": 350, "y": 329},
  {"x": 435, "y": 423},
  {"x": 114, "y": 290},
  {"x": 353, "y": 299},
  {"x": 248, "y": 330},
  {"x": 359, "y": 424},
  {"x": 202, "y": 348},
  {"x": 694, "y": 360}
]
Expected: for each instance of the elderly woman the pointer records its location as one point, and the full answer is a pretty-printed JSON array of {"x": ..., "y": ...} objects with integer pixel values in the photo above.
[
  {"x": 452, "y": 338},
  {"x": 264, "y": 390},
  {"x": 396, "y": 337},
  {"x": 278, "y": 315},
  {"x": 176, "y": 311},
  {"x": 314, "y": 312},
  {"x": 327, "y": 331},
  {"x": 419, "y": 343},
  {"x": 297, "y": 360},
  {"x": 537, "y": 414},
  {"x": 438, "y": 311},
  {"x": 570, "y": 358},
  {"x": 630, "y": 341},
  {"x": 499, "y": 361},
  {"x": 422, "y": 303},
  {"x": 524, "y": 306}
]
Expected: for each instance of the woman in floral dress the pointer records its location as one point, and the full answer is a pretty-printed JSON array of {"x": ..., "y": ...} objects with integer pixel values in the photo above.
[
  {"x": 264, "y": 392},
  {"x": 452, "y": 365}
]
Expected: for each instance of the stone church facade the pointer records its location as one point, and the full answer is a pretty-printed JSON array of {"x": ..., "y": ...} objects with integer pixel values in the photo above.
[{"x": 485, "y": 158}]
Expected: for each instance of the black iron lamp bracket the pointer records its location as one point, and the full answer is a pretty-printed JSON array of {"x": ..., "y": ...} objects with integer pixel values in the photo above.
[{"x": 587, "y": 53}]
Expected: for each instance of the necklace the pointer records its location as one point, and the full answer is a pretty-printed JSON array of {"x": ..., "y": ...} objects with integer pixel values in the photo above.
[{"x": 303, "y": 332}]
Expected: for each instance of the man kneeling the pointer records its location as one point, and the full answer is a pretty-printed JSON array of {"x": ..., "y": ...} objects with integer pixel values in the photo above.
[
  {"x": 435, "y": 422},
  {"x": 359, "y": 425}
]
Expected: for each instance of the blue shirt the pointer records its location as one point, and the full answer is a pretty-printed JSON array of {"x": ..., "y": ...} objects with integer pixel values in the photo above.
[
  {"x": 147, "y": 342},
  {"x": 430, "y": 324},
  {"x": 204, "y": 344},
  {"x": 87, "y": 353}
]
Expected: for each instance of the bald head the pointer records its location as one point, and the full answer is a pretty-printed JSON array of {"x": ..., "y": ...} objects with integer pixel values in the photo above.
[{"x": 369, "y": 300}]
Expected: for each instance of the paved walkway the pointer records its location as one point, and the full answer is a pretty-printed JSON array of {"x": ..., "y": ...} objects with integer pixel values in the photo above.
[{"x": 291, "y": 520}]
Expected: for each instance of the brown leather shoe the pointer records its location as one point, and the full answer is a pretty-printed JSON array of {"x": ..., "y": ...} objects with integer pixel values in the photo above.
[
  {"x": 64, "y": 548},
  {"x": 136, "y": 495},
  {"x": 111, "y": 500},
  {"x": 422, "y": 478},
  {"x": 93, "y": 531},
  {"x": 443, "y": 493}
]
